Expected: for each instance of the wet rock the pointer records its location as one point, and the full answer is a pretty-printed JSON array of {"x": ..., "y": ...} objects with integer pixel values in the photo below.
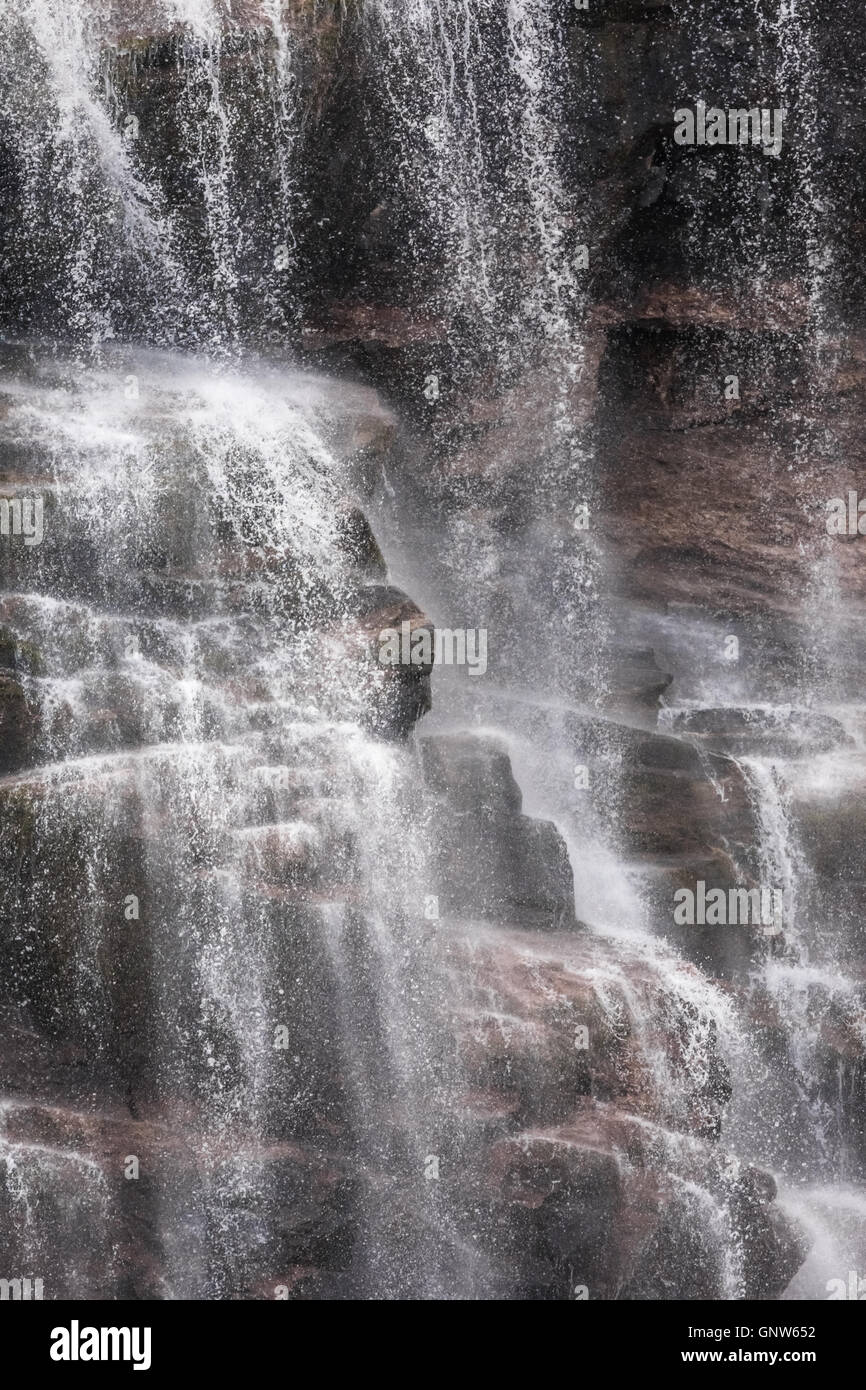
[
  {"x": 767, "y": 732},
  {"x": 357, "y": 539},
  {"x": 301, "y": 1204},
  {"x": 18, "y": 725},
  {"x": 586, "y": 1214},
  {"x": 639, "y": 682},
  {"x": 490, "y": 860},
  {"x": 568, "y": 1016},
  {"x": 399, "y": 690}
]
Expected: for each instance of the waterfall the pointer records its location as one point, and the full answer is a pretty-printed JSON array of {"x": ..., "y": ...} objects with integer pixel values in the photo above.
[
  {"x": 112, "y": 247},
  {"x": 194, "y": 793},
  {"x": 481, "y": 188},
  {"x": 328, "y": 979}
]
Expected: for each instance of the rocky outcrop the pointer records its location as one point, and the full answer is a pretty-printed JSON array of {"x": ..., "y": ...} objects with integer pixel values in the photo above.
[
  {"x": 489, "y": 861},
  {"x": 591, "y": 1088}
]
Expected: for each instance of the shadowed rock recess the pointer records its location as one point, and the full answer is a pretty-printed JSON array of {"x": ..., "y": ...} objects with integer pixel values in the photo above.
[{"x": 323, "y": 978}]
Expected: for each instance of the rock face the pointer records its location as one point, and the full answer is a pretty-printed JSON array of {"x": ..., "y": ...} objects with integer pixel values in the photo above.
[
  {"x": 171, "y": 836},
  {"x": 316, "y": 970},
  {"x": 492, "y": 862}
]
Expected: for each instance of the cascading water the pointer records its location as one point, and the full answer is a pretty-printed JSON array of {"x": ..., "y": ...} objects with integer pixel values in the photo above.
[
  {"x": 805, "y": 983},
  {"x": 200, "y": 785},
  {"x": 300, "y": 1000}
]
